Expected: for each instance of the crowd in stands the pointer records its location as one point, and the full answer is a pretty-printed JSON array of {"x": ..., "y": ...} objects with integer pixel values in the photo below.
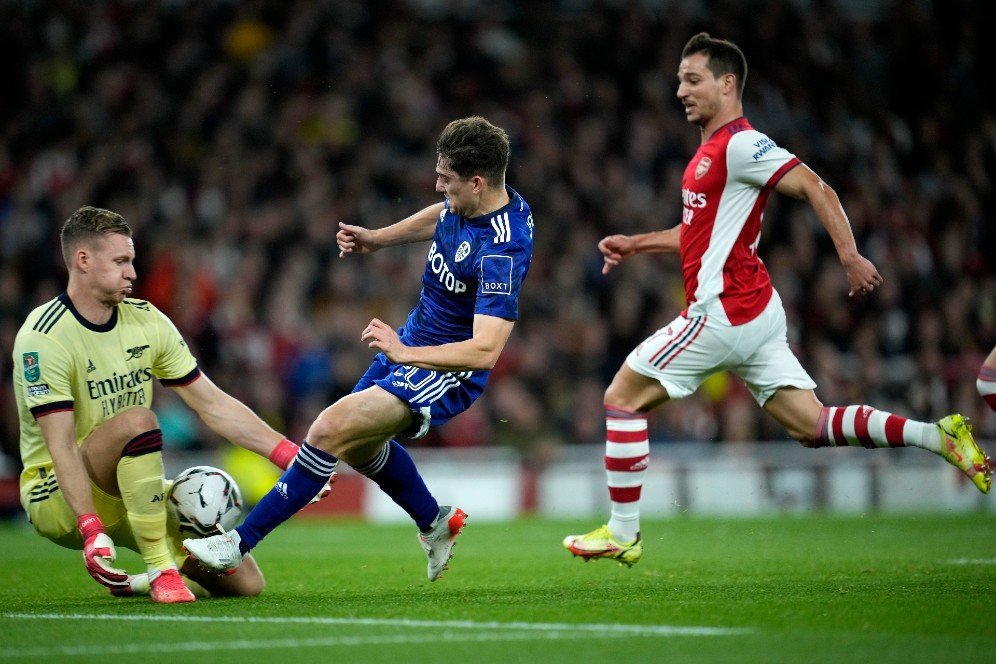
[{"x": 234, "y": 136}]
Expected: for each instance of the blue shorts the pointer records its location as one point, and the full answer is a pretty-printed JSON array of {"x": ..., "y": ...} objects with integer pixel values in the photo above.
[{"x": 434, "y": 397}]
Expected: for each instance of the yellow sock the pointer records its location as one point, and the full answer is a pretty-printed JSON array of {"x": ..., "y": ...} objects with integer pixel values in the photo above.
[{"x": 142, "y": 484}]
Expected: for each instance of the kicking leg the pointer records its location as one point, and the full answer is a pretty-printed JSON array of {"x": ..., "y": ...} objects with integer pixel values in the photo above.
[{"x": 357, "y": 422}]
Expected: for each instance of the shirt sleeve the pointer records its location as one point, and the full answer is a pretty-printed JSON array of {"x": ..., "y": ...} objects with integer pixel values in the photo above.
[
  {"x": 174, "y": 364},
  {"x": 500, "y": 270},
  {"x": 46, "y": 369},
  {"x": 755, "y": 159}
]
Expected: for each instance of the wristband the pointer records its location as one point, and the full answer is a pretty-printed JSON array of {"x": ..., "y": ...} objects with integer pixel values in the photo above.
[
  {"x": 283, "y": 453},
  {"x": 89, "y": 525}
]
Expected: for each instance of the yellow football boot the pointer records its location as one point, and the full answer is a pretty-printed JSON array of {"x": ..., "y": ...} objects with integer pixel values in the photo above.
[
  {"x": 959, "y": 448},
  {"x": 600, "y": 543}
]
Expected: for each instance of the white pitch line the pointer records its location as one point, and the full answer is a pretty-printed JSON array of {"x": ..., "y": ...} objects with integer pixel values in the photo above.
[
  {"x": 324, "y": 642},
  {"x": 466, "y": 631},
  {"x": 972, "y": 561},
  {"x": 606, "y": 628}
]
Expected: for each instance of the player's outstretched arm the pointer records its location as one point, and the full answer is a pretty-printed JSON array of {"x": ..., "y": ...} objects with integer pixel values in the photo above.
[
  {"x": 616, "y": 248},
  {"x": 231, "y": 419},
  {"x": 802, "y": 183},
  {"x": 419, "y": 227},
  {"x": 478, "y": 353},
  {"x": 234, "y": 421}
]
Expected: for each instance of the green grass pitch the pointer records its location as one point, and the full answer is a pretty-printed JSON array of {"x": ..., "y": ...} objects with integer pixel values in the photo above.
[{"x": 810, "y": 588}]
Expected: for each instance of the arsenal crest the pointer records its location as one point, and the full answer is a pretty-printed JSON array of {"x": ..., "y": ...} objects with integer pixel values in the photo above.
[{"x": 703, "y": 167}]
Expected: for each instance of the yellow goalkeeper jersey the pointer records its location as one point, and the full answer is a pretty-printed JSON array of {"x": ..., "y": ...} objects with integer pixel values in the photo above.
[{"x": 64, "y": 362}]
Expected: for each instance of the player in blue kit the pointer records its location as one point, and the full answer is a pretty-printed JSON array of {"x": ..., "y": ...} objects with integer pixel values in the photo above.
[{"x": 431, "y": 369}]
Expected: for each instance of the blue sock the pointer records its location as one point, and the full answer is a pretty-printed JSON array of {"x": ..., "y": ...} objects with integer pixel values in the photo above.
[
  {"x": 395, "y": 473},
  {"x": 300, "y": 483}
]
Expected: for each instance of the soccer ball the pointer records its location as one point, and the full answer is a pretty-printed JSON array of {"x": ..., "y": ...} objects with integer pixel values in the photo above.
[{"x": 202, "y": 498}]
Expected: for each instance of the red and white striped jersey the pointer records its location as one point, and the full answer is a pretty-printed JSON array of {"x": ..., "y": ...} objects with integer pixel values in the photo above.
[{"x": 724, "y": 191}]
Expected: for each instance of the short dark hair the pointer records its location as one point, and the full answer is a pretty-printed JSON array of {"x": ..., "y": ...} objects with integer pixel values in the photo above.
[
  {"x": 725, "y": 57},
  {"x": 473, "y": 146},
  {"x": 88, "y": 224}
]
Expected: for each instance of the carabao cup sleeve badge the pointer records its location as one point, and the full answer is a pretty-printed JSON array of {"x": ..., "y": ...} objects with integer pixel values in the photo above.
[{"x": 32, "y": 368}]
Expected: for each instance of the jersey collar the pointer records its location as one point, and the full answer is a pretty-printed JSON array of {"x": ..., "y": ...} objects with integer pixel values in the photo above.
[
  {"x": 103, "y": 327},
  {"x": 734, "y": 126},
  {"x": 485, "y": 218}
]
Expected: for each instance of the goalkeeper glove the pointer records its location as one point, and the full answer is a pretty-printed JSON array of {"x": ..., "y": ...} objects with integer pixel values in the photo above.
[
  {"x": 99, "y": 553},
  {"x": 283, "y": 456},
  {"x": 137, "y": 584},
  {"x": 326, "y": 490}
]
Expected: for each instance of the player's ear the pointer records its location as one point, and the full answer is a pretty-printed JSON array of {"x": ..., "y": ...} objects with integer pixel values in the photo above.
[
  {"x": 81, "y": 259},
  {"x": 479, "y": 183},
  {"x": 729, "y": 83}
]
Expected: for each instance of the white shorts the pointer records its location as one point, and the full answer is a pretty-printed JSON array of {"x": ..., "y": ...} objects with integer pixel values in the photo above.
[{"x": 689, "y": 350}]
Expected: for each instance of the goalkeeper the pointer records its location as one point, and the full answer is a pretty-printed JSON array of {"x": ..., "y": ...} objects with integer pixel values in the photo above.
[{"x": 90, "y": 444}]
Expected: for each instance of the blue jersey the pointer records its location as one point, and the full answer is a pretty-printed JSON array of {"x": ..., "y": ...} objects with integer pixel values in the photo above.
[{"x": 475, "y": 266}]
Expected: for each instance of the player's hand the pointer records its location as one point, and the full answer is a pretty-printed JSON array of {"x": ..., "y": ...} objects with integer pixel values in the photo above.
[
  {"x": 137, "y": 584},
  {"x": 614, "y": 249},
  {"x": 382, "y": 337},
  {"x": 286, "y": 447},
  {"x": 99, "y": 553},
  {"x": 326, "y": 490},
  {"x": 862, "y": 276},
  {"x": 355, "y": 240}
]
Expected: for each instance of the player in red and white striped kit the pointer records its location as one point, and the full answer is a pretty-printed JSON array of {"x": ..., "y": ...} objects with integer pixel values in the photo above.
[{"x": 734, "y": 320}]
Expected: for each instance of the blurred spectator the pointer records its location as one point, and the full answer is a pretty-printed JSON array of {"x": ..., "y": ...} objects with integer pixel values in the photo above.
[{"x": 234, "y": 137}]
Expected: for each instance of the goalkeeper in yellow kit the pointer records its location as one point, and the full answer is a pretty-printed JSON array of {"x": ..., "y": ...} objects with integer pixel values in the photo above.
[{"x": 90, "y": 444}]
